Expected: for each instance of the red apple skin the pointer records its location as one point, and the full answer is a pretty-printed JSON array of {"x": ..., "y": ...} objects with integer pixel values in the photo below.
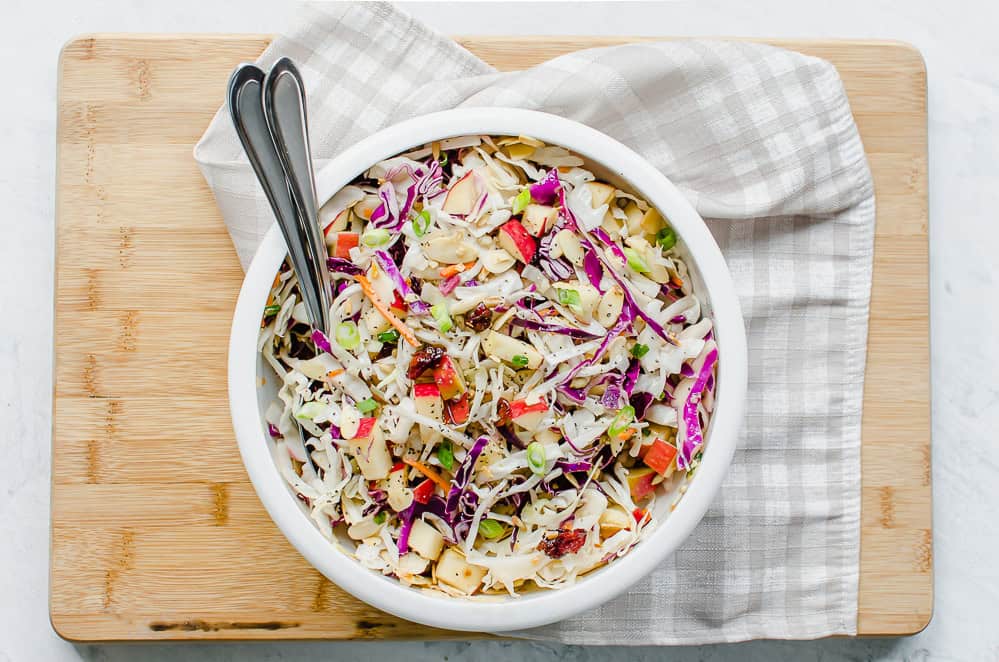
[
  {"x": 520, "y": 407},
  {"x": 640, "y": 483},
  {"x": 453, "y": 204},
  {"x": 344, "y": 242},
  {"x": 516, "y": 240},
  {"x": 426, "y": 391},
  {"x": 365, "y": 428},
  {"x": 448, "y": 379}
]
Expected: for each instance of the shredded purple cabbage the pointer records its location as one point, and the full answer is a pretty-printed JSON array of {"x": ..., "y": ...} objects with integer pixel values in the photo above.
[
  {"x": 640, "y": 401},
  {"x": 464, "y": 474},
  {"x": 416, "y": 306},
  {"x": 339, "y": 265},
  {"x": 322, "y": 342},
  {"x": 273, "y": 431},
  {"x": 692, "y": 439},
  {"x": 594, "y": 270},
  {"x": 579, "y": 334},
  {"x": 631, "y": 375},
  {"x": 569, "y": 467},
  {"x": 547, "y": 189}
]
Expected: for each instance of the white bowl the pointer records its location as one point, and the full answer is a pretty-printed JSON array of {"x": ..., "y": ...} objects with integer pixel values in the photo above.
[{"x": 249, "y": 399}]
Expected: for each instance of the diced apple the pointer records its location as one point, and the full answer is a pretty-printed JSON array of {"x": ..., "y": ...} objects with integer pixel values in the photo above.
[
  {"x": 374, "y": 320},
  {"x": 652, "y": 222},
  {"x": 528, "y": 416},
  {"x": 427, "y": 399},
  {"x": 589, "y": 297},
  {"x": 337, "y": 225},
  {"x": 370, "y": 451},
  {"x": 635, "y": 217},
  {"x": 610, "y": 306},
  {"x": 505, "y": 348},
  {"x": 538, "y": 219},
  {"x": 659, "y": 456},
  {"x": 398, "y": 306},
  {"x": 455, "y": 571},
  {"x": 464, "y": 195},
  {"x": 426, "y": 540},
  {"x": 493, "y": 452},
  {"x": 342, "y": 242},
  {"x": 516, "y": 241},
  {"x": 640, "y": 483},
  {"x": 572, "y": 247},
  {"x": 448, "y": 379},
  {"x": 600, "y": 194},
  {"x": 400, "y": 496},
  {"x": 611, "y": 225},
  {"x": 614, "y": 519},
  {"x": 547, "y": 436}
]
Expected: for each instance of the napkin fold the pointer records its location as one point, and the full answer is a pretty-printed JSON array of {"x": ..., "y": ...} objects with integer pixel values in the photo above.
[{"x": 763, "y": 143}]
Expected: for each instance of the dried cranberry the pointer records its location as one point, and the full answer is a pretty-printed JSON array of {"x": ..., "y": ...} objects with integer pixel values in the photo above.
[
  {"x": 503, "y": 412},
  {"x": 456, "y": 411},
  {"x": 424, "y": 359},
  {"x": 563, "y": 542},
  {"x": 479, "y": 318}
]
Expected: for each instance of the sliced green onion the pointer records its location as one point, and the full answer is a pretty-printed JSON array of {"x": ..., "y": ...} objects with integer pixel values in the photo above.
[
  {"x": 519, "y": 361},
  {"x": 388, "y": 336},
  {"x": 666, "y": 238},
  {"x": 536, "y": 457},
  {"x": 569, "y": 297},
  {"x": 639, "y": 350},
  {"x": 273, "y": 309},
  {"x": 621, "y": 422},
  {"x": 364, "y": 406},
  {"x": 421, "y": 223},
  {"x": 521, "y": 201},
  {"x": 443, "y": 160},
  {"x": 490, "y": 528},
  {"x": 445, "y": 455},
  {"x": 380, "y": 517},
  {"x": 311, "y": 411},
  {"x": 376, "y": 237},
  {"x": 635, "y": 261},
  {"x": 442, "y": 317},
  {"x": 347, "y": 335}
]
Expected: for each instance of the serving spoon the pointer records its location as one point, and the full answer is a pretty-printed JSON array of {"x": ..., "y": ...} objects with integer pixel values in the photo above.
[{"x": 268, "y": 112}]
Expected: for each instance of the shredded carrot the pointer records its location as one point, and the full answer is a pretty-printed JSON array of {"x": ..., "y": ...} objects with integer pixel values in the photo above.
[
  {"x": 429, "y": 473},
  {"x": 626, "y": 434},
  {"x": 455, "y": 269},
  {"x": 334, "y": 373},
  {"x": 403, "y": 330},
  {"x": 676, "y": 280}
]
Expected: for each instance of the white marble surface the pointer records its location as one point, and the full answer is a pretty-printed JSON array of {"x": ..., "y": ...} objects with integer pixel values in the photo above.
[{"x": 958, "y": 41}]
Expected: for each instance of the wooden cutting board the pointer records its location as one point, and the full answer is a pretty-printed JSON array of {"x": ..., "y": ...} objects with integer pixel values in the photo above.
[{"x": 156, "y": 531}]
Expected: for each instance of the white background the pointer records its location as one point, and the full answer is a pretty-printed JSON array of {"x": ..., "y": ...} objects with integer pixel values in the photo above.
[{"x": 958, "y": 40}]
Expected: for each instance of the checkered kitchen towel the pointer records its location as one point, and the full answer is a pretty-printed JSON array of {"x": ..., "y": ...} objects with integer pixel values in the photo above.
[{"x": 762, "y": 141}]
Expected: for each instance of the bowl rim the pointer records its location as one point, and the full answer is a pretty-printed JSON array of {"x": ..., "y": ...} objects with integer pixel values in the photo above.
[{"x": 537, "y": 607}]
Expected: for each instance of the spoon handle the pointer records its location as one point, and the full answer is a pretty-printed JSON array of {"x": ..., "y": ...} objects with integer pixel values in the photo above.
[
  {"x": 245, "y": 97},
  {"x": 285, "y": 112}
]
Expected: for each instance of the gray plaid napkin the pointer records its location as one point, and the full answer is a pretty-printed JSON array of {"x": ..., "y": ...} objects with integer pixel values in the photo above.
[{"x": 763, "y": 142}]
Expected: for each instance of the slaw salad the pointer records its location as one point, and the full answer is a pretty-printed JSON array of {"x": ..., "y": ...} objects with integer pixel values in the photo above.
[{"x": 518, "y": 367}]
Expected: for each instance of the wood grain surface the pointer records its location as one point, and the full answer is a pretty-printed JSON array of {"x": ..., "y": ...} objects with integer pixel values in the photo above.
[{"x": 156, "y": 531}]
